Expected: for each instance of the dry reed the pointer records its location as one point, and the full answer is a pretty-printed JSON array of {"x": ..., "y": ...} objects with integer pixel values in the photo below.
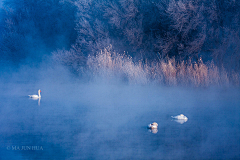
[{"x": 109, "y": 64}]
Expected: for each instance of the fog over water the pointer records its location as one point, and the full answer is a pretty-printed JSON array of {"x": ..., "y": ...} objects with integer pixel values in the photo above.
[{"x": 107, "y": 120}]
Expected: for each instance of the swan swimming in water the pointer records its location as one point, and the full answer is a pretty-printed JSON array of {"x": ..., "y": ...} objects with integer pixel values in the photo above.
[
  {"x": 34, "y": 96},
  {"x": 153, "y": 125},
  {"x": 180, "y": 117}
]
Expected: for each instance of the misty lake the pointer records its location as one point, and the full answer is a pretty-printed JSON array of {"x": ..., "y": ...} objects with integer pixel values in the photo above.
[{"x": 109, "y": 121}]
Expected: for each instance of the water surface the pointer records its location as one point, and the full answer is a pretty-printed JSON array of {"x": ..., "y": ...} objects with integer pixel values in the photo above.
[{"x": 109, "y": 121}]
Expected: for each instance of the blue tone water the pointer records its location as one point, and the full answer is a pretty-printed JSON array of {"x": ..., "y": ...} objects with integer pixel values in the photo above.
[{"x": 100, "y": 121}]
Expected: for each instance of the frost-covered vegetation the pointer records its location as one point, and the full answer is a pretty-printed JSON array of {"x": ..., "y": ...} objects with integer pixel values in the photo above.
[
  {"x": 108, "y": 63},
  {"x": 173, "y": 42}
]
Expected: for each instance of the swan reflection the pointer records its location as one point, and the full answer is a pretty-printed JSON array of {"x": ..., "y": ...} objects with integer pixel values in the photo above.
[
  {"x": 181, "y": 121},
  {"x": 154, "y": 131},
  {"x": 39, "y": 99}
]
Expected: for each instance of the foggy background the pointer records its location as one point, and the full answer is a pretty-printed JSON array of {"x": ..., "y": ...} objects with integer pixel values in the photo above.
[{"x": 92, "y": 120}]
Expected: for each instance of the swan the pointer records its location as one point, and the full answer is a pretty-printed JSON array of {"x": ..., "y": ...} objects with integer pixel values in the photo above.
[
  {"x": 153, "y": 125},
  {"x": 180, "y": 117},
  {"x": 34, "y": 96}
]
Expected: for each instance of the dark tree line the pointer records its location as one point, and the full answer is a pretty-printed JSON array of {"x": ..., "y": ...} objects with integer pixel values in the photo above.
[
  {"x": 145, "y": 29},
  {"x": 149, "y": 29},
  {"x": 33, "y": 28}
]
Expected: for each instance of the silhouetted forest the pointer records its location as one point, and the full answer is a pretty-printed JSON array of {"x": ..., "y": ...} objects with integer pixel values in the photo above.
[
  {"x": 146, "y": 30},
  {"x": 31, "y": 29}
]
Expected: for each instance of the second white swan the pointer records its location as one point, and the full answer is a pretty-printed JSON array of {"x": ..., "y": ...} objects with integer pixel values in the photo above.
[{"x": 181, "y": 117}]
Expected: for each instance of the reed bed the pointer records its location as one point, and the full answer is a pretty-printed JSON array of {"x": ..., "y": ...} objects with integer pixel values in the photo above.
[{"x": 109, "y": 64}]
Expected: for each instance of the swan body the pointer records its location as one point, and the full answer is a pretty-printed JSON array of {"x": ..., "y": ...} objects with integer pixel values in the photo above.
[
  {"x": 180, "y": 117},
  {"x": 153, "y": 125},
  {"x": 34, "y": 96}
]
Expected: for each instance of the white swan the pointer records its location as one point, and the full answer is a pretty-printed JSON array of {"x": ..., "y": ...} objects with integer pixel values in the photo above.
[
  {"x": 180, "y": 117},
  {"x": 153, "y": 125},
  {"x": 34, "y": 96}
]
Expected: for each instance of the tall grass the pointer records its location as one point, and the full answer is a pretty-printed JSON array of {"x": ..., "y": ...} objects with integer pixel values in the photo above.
[{"x": 109, "y": 64}]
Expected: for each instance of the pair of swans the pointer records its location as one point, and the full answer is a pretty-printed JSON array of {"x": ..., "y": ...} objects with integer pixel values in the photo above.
[
  {"x": 36, "y": 97},
  {"x": 179, "y": 118}
]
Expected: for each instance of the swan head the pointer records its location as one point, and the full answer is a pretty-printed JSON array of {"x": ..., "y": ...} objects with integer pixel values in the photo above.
[{"x": 39, "y": 95}]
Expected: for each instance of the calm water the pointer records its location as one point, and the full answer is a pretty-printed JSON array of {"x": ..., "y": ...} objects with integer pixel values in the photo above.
[{"x": 99, "y": 121}]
